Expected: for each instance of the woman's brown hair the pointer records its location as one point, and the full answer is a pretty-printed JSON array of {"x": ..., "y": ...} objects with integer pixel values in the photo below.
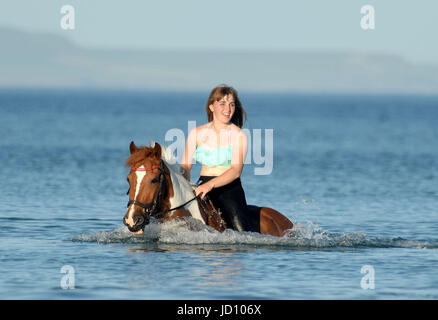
[{"x": 217, "y": 94}]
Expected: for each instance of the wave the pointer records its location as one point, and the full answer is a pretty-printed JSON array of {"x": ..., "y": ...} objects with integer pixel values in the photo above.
[{"x": 303, "y": 235}]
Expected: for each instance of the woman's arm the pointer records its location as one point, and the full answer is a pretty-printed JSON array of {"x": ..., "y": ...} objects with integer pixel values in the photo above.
[
  {"x": 189, "y": 150},
  {"x": 240, "y": 147}
]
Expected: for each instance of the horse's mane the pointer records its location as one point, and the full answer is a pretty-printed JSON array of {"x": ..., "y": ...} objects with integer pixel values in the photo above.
[{"x": 170, "y": 160}]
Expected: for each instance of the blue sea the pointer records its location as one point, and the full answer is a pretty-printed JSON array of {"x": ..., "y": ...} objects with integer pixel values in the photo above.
[{"x": 357, "y": 174}]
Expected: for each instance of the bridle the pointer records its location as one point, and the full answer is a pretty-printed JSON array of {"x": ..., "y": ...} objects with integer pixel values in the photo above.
[{"x": 152, "y": 209}]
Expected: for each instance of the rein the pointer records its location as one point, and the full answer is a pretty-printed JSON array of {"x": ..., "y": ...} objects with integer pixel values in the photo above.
[{"x": 151, "y": 208}]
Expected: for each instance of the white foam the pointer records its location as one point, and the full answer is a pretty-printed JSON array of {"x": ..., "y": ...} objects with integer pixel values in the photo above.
[{"x": 193, "y": 232}]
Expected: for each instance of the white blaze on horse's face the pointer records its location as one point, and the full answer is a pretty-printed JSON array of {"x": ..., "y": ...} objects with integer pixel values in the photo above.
[{"x": 140, "y": 174}]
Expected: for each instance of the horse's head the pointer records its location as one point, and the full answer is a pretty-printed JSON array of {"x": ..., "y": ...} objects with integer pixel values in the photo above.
[{"x": 148, "y": 182}]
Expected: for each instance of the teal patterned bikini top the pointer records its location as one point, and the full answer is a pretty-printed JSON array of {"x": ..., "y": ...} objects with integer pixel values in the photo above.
[{"x": 216, "y": 156}]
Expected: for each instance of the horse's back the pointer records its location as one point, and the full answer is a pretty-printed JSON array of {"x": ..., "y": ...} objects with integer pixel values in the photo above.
[{"x": 269, "y": 221}]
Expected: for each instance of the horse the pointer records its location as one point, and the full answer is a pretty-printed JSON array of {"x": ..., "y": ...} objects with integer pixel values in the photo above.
[{"x": 158, "y": 190}]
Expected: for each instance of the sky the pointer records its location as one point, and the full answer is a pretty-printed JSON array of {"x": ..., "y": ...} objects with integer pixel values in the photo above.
[{"x": 406, "y": 28}]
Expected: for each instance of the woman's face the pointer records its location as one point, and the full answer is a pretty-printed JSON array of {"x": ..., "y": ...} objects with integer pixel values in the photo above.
[{"x": 223, "y": 109}]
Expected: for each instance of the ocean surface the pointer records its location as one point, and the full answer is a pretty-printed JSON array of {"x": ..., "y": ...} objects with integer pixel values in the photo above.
[{"x": 358, "y": 175}]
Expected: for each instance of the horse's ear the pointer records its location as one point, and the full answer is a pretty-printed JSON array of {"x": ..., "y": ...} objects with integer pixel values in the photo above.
[
  {"x": 132, "y": 147},
  {"x": 157, "y": 150}
]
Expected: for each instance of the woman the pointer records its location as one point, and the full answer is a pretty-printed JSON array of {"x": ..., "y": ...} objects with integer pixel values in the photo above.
[{"x": 220, "y": 146}]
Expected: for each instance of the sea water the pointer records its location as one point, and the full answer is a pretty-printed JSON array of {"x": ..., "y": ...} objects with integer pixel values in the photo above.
[{"x": 358, "y": 176}]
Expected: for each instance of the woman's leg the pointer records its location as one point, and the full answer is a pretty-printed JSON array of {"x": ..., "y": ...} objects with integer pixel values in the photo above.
[{"x": 230, "y": 199}]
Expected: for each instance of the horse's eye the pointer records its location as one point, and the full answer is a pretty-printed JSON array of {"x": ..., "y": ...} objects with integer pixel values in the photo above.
[
  {"x": 127, "y": 179},
  {"x": 155, "y": 180}
]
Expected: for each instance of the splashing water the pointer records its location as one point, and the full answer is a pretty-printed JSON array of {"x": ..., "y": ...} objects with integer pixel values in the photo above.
[{"x": 303, "y": 235}]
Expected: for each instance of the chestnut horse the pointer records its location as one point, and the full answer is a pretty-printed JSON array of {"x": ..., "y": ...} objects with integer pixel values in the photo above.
[{"x": 157, "y": 189}]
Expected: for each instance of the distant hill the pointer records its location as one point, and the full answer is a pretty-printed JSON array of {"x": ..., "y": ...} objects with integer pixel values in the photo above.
[{"x": 46, "y": 60}]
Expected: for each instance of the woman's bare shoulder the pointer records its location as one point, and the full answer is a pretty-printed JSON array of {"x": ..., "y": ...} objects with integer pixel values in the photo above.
[
  {"x": 238, "y": 134},
  {"x": 203, "y": 126},
  {"x": 199, "y": 129},
  {"x": 235, "y": 128},
  {"x": 197, "y": 132},
  {"x": 237, "y": 131}
]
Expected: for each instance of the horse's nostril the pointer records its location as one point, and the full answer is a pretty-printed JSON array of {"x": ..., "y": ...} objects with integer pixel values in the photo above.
[{"x": 139, "y": 220}]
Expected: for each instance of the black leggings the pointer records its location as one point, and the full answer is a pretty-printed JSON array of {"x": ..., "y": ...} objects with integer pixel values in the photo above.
[{"x": 231, "y": 201}]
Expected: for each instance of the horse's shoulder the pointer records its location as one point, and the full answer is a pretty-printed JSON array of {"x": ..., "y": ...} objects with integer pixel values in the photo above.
[
  {"x": 179, "y": 213},
  {"x": 211, "y": 214}
]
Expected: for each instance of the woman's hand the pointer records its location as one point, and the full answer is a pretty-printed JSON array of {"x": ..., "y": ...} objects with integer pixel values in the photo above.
[{"x": 204, "y": 189}]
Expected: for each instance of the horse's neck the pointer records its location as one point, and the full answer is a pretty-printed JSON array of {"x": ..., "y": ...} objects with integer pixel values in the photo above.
[{"x": 183, "y": 192}]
